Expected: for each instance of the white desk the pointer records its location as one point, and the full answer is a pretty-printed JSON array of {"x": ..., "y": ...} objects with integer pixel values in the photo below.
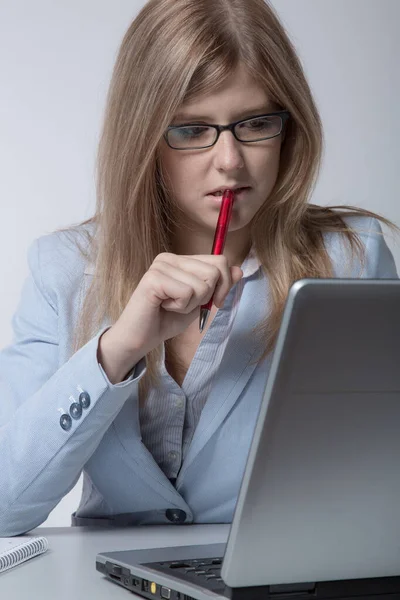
[{"x": 67, "y": 571}]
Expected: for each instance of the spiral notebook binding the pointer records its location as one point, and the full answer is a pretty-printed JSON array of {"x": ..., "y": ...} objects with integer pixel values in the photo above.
[{"x": 23, "y": 552}]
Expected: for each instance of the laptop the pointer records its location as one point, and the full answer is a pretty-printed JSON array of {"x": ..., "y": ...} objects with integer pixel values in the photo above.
[{"x": 318, "y": 512}]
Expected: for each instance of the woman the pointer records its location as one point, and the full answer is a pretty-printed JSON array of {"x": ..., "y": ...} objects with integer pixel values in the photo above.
[{"x": 108, "y": 372}]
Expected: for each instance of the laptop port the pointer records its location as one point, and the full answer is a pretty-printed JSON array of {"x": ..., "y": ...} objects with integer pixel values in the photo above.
[
  {"x": 145, "y": 585},
  {"x": 165, "y": 593},
  {"x": 116, "y": 572}
]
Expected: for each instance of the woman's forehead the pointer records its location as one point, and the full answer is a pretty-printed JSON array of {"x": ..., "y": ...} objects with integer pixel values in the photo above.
[{"x": 236, "y": 96}]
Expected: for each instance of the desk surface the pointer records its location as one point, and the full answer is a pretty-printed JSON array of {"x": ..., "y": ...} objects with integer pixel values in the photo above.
[{"x": 67, "y": 570}]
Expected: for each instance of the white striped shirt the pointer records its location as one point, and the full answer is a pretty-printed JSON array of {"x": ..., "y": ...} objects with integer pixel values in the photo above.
[{"x": 171, "y": 412}]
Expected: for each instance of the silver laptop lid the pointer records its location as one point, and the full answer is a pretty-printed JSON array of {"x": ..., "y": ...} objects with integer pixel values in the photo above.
[{"x": 320, "y": 498}]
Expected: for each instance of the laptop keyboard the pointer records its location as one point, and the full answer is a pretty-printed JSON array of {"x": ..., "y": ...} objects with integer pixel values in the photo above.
[{"x": 205, "y": 572}]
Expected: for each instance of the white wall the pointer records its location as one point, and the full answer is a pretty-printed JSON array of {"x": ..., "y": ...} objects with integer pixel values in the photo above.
[{"x": 55, "y": 63}]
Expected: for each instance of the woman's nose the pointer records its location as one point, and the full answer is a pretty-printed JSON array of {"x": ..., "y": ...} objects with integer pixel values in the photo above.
[{"x": 228, "y": 151}]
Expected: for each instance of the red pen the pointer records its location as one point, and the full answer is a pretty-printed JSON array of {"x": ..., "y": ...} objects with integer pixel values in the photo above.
[{"x": 218, "y": 245}]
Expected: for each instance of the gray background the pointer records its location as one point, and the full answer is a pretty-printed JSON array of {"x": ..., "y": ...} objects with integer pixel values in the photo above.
[{"x": 55, "y": 64}]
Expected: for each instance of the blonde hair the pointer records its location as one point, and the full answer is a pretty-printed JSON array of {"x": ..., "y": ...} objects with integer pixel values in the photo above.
[{"x": 174, "y": 51}]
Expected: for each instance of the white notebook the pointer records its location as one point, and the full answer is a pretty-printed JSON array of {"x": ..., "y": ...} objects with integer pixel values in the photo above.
[{"x": 15, "y": 550}]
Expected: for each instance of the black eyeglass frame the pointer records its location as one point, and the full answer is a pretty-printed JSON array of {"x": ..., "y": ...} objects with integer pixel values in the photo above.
[{"x": 284, "y": 114}]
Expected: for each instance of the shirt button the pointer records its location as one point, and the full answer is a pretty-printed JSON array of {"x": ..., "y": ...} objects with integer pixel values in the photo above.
[
  {"x": 84, "y": 400},
  {"x": 65, "y": 422},
  {"x": 173, "y": 455},
  {"x": 179, "y": 403},
  {"x": 175, "y": 515}
]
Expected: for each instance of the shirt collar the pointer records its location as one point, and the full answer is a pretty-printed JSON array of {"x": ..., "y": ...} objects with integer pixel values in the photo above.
[{"x": 251, "y": 264}]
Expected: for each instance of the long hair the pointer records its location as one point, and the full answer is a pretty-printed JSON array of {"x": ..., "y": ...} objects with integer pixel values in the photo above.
[{"x": 173, "y": 52}]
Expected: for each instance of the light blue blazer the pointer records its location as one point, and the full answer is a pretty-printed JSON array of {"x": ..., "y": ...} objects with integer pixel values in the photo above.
[{"x": 39, "y": 380}]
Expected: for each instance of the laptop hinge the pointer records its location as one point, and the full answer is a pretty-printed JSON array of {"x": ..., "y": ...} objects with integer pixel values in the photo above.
[
  {"x": 376, "y": 588},
  {"x": 291, "y": 591},
  {"x": 292, "y": 588}
]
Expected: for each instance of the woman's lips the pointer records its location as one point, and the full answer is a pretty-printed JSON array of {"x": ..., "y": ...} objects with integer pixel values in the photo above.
[{"x": 239, "y": 192}]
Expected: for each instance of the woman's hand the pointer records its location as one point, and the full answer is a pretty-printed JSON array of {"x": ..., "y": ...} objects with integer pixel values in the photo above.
[{"x": 164, "y": 304}]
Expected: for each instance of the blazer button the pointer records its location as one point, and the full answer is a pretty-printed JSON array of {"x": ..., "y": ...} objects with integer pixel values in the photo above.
[
  {"x": 84, "y": 400},
  {"x": 66, "y": 422},
  {"x": 175, "y": 515},
  {"x": 75, "y": 410}
]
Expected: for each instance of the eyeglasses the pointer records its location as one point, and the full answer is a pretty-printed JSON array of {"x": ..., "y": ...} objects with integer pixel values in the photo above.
[{"x": 254, "y": 129}]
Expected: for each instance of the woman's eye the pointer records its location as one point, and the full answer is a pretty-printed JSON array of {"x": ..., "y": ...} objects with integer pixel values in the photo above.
[
  {"x": 191, "y": 132},
  {"x": 258, "y": 124}
]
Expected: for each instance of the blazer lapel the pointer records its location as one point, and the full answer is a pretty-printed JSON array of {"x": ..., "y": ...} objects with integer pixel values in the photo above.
[
  {"x": 138, "y": 457},
  {"x": 237, "y": 366}
]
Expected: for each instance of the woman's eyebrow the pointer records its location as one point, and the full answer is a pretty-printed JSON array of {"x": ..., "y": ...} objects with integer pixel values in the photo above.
[{"x": 251, "y": 111}]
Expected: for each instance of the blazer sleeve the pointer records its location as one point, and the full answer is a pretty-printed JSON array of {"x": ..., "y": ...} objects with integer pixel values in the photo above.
[{"x": 40, "y": 459}]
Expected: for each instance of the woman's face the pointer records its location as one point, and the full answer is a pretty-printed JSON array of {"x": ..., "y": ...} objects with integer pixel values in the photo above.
[{"x": 193, "y": 174}]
